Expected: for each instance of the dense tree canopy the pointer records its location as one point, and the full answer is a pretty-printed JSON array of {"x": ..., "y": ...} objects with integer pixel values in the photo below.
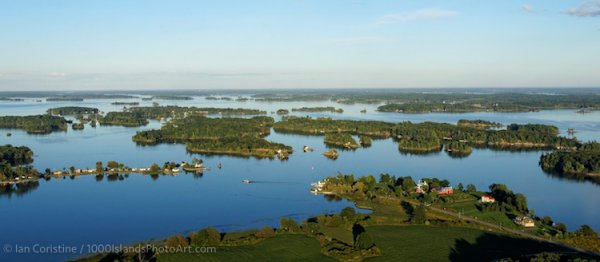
[
  {"x": 129, "y": 119},
  {"x": 72, "y": 110},
  {"x": 581, "y": 163},
  {"x": 35, "y": 124}
]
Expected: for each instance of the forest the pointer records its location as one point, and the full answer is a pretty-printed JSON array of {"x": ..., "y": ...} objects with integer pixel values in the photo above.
[
  {"x": 428, "y": 136},
  {"x": 478, "y": 123},
  {"x": 235, "y": 136},
  {"x": 35, "y": 124},
  {"x": 128, "y": 119},
  {"x": 452, "y": 100},
  {"x": 72, "y": 110},
  {"x": 340, "y": 140},
  {"x": 582, "y": 163},
  {"x": 318, "y": 109},
  {"x": 157, "y": 112},
  {"x": 239, "y": 146},
  {"x": 14, "y": 163}
]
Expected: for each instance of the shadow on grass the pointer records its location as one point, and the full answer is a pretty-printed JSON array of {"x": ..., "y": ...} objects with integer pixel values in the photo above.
[{"x": 489, "y": 247}]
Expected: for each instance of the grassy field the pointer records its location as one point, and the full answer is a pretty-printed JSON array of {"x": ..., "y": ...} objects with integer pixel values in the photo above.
[
  {"x": 469, "y": 207},
  {"x": 280, "y": 248},
  {"x": 428, "y": 243}
]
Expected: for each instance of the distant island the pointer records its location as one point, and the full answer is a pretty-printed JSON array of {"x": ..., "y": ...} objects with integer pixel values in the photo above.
[
  {"x": 157, "y": 112},
  {"x": 119, "y": 103},
  {"x": 72, "y": 110},
  {"x": 318, "y": 109}
]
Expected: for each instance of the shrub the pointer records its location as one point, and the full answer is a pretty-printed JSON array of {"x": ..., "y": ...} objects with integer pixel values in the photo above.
[
  {"x": 205, "y": 236},
  {"x": 177, "y": 241},
  {"x": 265, "y": 232}
]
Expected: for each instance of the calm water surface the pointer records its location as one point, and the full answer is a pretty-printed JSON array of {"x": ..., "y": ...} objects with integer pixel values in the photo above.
[{"x": 87, "y": 211}]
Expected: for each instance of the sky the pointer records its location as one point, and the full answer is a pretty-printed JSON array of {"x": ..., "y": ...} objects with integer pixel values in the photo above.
[{"x": 179, "y": 44}]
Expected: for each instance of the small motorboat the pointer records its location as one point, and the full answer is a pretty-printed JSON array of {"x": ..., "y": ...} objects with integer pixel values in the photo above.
[{"x": 246, "y": 181}]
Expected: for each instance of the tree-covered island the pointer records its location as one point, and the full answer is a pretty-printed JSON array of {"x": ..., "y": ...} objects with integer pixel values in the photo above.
[
  {"x": 580, "y": 163},
  {"x": 318, "y": 109},
  {"x": 232, "y": 136},
  {"x": 128, "y": 119},
  {"x": 35, "y": 124},
  {"x": 429, "y": 137},
  {"x": 158, "y": 112},
  {"x": 73, "y": 110}
]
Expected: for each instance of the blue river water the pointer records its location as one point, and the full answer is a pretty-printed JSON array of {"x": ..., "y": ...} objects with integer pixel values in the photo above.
[{"x": 83, "y": 210}]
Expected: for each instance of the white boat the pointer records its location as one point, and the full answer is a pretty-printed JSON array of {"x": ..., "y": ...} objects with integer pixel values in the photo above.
[{"x": 246, "y": 181}]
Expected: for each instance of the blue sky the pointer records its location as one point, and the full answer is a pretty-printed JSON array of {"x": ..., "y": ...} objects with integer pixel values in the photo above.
[{"x": 129, "y": 44}]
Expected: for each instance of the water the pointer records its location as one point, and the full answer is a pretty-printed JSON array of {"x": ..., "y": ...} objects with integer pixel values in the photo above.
[{"x": 87, "y": 211}]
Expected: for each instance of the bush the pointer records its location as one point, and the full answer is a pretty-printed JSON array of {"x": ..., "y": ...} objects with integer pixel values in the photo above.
[
  {"x": 348, "y": 213},
  {"x": 288, "y": 224},
  {"x": 265, "y": 232},
  {"x": 177, "y": 241},
  {"x": 205, "y": 236}
]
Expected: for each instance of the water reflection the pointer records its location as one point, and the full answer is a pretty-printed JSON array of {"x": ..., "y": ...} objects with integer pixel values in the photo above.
[{"x": 19, "y": 189}]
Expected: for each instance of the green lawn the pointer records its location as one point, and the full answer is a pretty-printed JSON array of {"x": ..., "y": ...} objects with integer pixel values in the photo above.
[
  {"x": 429, "y": 243},
  {"x": 280, "y": 248},
  {"x": 469, "y": 207}
]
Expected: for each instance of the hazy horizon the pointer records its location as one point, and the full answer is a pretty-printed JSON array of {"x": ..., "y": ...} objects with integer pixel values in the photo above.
[{"x": 146, "y": 45}]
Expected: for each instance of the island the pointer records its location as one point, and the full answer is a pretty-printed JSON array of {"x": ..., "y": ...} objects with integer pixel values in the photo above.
[
  {"x": 283, "y": 112},
  {"x": 171, "y": 97},
  {"x": 73, "y": 110},
  {"x": 127, "y": 119},
  {"x": 77, "y": 126},
  {"x": 318, "y": 109},
  {"x": 580, "y": 163},
  {"x": 158, "y": 112},
  {"x": 458, "y": 148},
  {"x": 119, "y": 103},
  {"x": 231, "y": 136},
  {"x": 340, "y": 140},
  {"x": 35, "y": 124},
  {"x": 365, "y": 141},
  {"x": 478, "y": 124},
  {"x": 331, "y": 154},
  {"x": 429, "y": 137}
]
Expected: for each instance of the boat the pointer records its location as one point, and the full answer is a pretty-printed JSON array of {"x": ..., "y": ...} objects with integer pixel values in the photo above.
[{"x": 246, "y": 181}]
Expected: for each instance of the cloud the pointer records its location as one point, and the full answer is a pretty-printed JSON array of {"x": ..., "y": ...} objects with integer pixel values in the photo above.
[
  {"x": 587, "y": 9},
  {"x": 418, "y": 15},
  {"x": 527, "y": 8}
]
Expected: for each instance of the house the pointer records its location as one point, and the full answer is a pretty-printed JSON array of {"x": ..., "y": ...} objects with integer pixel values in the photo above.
[
  {"x": 524, "y": 221},
  {"x": 57, "y": 173},
  {"x": 448, "y": 190},
  {"x": 487, "y": 199},
  {"x": 420, "y": 186}
]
